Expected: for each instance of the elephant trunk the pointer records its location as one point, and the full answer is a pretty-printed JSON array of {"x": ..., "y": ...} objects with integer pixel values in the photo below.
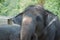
[{"x": 28, "y": 27}]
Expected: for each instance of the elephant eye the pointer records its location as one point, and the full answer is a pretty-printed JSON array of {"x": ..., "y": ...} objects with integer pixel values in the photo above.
[{"x": 38, "y": 18}]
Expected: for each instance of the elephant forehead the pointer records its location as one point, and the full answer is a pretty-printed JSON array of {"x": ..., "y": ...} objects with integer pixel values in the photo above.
[{"x": 27, "y": 20}]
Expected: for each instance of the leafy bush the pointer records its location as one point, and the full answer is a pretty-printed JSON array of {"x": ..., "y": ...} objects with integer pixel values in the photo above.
[
  {"x": 53, "y": 6},
  {"x": 9, "y": 7},
  {"x": 13, "y": 7}
]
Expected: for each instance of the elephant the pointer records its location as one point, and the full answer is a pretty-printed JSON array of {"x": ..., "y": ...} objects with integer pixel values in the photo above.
[
  {"x": 33, "y": 20},
  {"x": 9, "y": 32}
]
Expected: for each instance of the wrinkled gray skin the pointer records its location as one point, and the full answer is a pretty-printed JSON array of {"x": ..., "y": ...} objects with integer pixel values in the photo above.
[
  {"x": 58, "y": 31},
  {"x": 54, "y": 28},
  {"x": 51, "y": 31},
  {"x": 9, "y": 32},
  {"x": 34, "y": 22}
]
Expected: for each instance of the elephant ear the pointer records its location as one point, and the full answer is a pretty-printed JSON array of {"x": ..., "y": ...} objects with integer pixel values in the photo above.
[{"x": 17, "y": 19}]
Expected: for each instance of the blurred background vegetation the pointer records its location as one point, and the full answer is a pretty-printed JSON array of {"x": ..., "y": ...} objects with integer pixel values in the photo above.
[{"x": 14, "y": 7}]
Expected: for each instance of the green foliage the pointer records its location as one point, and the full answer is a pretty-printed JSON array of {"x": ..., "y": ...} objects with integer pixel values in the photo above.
[
  {"x": 53, "y": 6},
  {"x": 13, "y": 7},
  {"x": 25, "y": 3},
  {"x": 1, "y": 1},
  {"x": 9, "y": 7}
]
